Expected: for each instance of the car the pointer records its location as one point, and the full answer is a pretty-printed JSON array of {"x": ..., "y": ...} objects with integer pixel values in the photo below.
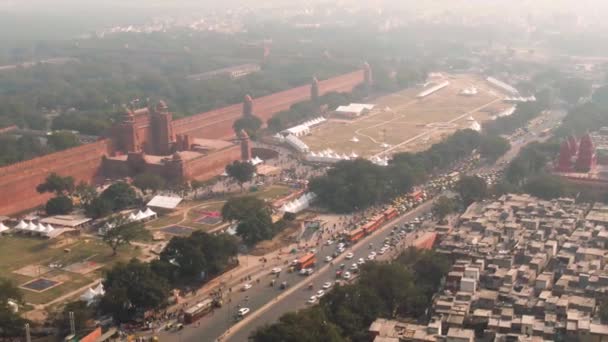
[
  {"x": 350, "y": 256},
  {"x": 328, "y": 258},
  {"x": 372, "y": 253},
  {"x": 354, "y": 267},
  {"x": 338, "y": 273},
  {"x": 346, "y": 275},
  {"x": 342, "y": 266},
  {"x": 246, "y": 287},
  {"x": 243, "y": 311},
  {"x": 340, "y": 250},
  {"x": 276, "y": 270},
  {"x": 320, "y": 293},
  {"x": 382, "y": 251},
  {"x": 341, "y": 245},
  {"x": 309, "y": 271},
  {"x": 371, "y": 257},
  {"x": 312, "y": 300},
  {"x": 327, "y": 285},
  {"x": 303, "y": 271},
  {"x": 313, "y": 250},
  {"x": 361, "y": 261},
  {"x": 329, "y": 242}
]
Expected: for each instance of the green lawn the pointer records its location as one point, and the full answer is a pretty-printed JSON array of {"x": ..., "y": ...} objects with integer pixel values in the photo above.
[{"x": 19, "y": 252}]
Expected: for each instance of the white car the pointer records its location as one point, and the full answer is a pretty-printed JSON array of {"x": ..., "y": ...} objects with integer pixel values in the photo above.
[
  {"x": 276, "y": 270},
  {"x": 329, "y": 242},
  {"x": 312, "y": 300},
  {"x": 350, "y": 256},
  {"x": 354, "y": 267},
  {"x": 328, "y": 258},
  {"x": 371, "y": 257},
  {"x": 320, "y": 293},
  {"x": 341, "y": 245},
  {"x": 243, "y": 311},
  {"x": 327, "y": 285},
  {"x": 314, "y": 250},
  {"x": 361, "y": 261},
  {"x": 303, "y": 271},
  {"x": 346, "y": 275},
  {"x": 382, "y": 251},
  {"x": 372, "y": 253},
  {"x": 246, "y": 287},
  {"x": 340, "y": 250}
]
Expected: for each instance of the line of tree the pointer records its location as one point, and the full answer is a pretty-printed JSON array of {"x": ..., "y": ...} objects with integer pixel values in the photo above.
[
  {"x": 14, "y": 149},
  {"x": 520, "y": 118},
  {"x": 358, "y": 184},
  {"x": 401, "y": 289},
  {"x": 133, "y": 288}
]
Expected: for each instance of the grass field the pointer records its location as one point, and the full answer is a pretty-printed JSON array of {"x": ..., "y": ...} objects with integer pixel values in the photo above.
[
  {"x": 19, "y": 252},
  {"x": 400, "y": 121}
]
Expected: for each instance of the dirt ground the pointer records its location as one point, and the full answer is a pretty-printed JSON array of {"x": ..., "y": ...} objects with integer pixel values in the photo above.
[{"x": 401, "y": 122}]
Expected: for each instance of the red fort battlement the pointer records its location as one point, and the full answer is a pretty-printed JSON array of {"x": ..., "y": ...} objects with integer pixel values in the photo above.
[{"x": 148, "y": 139}]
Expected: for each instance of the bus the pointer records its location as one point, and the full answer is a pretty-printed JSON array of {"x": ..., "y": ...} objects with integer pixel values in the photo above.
[
  {"x": 390, "y": 213},
  {"x": 355, "y": 235},
  {"x": 198, "y": 310},
  {"x": 306, "y": 261},
  {"x": 375, "y": 223}
]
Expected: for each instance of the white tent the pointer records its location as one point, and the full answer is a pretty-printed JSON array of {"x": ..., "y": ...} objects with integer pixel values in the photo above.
[
  {"x": 140, "y": 216},
  {"x": 149, "y": 213},
  {"x": 354, "y": 139},
  {"x": 132, "y": 217},
  {"x": 31, "y": 227},
  {"x": 256, "y": 161},
  {"x": 3, "y": 228},
  {"x": 22, "y": 225}
]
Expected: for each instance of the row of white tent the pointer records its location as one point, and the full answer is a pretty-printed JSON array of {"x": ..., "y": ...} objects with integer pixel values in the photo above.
[
  {"x": 470, "y": 91},
  {"x": 507, "y": 112},
  {"x": 299, "y": 204},
  {"x": 382, "y": 161},
  {"x": 34, "y": 228},
  {"x": 142, "y": 215},
  {"x": 92, "y": 294},
  {"x": 329, "y": 156},
  {"x": 297, "y": 144},
  {"x": 520, "y": 99},
  {"x": 304, "y": 128}
]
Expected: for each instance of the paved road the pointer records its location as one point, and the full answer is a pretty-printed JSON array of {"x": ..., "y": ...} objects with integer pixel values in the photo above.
[{"x": 298, "y": 298}]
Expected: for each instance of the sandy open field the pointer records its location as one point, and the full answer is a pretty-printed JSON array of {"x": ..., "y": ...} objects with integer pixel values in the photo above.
[{"x": 401, "y": 122}]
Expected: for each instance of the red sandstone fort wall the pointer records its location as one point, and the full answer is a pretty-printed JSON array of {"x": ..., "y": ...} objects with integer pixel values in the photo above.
[
  {"x": 18, "y": 181},
  {"x": 217, "y": 124},
  {"x": 212, "y": 165}
]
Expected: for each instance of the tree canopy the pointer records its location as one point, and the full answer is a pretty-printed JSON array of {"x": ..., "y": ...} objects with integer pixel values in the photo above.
[
  {"x": 251, "y": 124},
  {"x": 253, "y": 216},
  {"x": 240, "y": 171},
  {"x": 123, "y": 232},
  {"x": 444, "y": 206},
  {"x": 59, "y": 205},
  {"x": 471, "y": 189},
  {"x": 149, "y": 181},
  {"x": 57, "y": 184},
  {"x": 62, "y": 140},
  {"x": 131, "y": 289},
  {"x": 196, "y": 258},
  {"x": 11, "y": 324}
]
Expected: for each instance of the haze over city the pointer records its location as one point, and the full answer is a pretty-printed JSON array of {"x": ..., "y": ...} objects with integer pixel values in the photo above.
[{"x": 340, "y": 171}]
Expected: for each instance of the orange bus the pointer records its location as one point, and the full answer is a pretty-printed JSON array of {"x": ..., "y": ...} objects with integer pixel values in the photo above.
[
  {"x": 306, "y": 261},
  {"x": 374, "y": 224},
  {"x": 390, "y": 213},
  {"x": 198, "y": 310},
  {"x": 355, "y": 235}
]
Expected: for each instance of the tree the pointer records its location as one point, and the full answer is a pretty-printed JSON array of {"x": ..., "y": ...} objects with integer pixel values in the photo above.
[
  {"x": 149, "y": 181},
  {"x": 309, "y": 325},
  {"x": 59, "y": 205},
  {"x": 196, "y": 257},
  {"x": 471, "y": 189},
  {"x": 253, "y": 214},
  {"x": 444, "y": 206},
  {"x": 250, "y": 124},
  {"x": 493, "y": 147},
  {"x": 573, "y": 89},
  {"x": 98, "y": 207},
  {"x": 123, "y": 233},
  {"x": 545, "y": 186},
  {"x": 241, "y": 171},
  {"x": 131, "y": 289},
  {"x": 11, "y": 324},
  {"x": 121, "y": 195},
  {"x": 63, "y": 140},
  {"x": 56, "y": 184},
  {"x": 85, "y": 193}
]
